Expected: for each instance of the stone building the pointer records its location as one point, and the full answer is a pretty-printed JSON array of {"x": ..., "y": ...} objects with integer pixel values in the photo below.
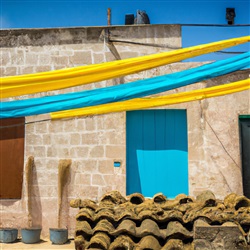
[{"x": 97, "y": 145}]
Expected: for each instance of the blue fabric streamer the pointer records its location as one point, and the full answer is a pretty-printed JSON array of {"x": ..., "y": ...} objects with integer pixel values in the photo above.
[{"x": 122, "y": 92}]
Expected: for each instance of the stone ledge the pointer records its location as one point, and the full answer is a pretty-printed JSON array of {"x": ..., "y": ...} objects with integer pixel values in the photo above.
[{"x": 81, "y": 35}]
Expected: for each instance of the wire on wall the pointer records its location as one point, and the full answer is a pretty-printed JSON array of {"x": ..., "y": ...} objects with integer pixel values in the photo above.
[
  {"x": 168, "y": 46},
  {"x": 222, "y": 144},
  {"x": 26, "y": 123}
]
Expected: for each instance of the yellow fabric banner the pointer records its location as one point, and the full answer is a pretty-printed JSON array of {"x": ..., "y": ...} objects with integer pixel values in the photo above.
[
  {"x": 143, "y": 103},
  {"x": 65, "y": 78}
]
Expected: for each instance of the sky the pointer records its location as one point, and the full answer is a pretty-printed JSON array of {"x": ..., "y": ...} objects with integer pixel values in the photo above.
[{"x": 77, "y": 13}]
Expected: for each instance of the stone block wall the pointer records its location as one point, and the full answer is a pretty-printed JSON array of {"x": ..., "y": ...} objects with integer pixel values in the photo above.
[{"x": 94, "y": 143}]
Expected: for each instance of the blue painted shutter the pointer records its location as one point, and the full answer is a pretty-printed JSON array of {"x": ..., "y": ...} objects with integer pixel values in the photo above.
[{"x": 157, "y": 158}]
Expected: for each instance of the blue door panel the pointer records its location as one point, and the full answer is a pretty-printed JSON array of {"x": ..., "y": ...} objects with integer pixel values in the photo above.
[
  {"x": 157, "y": 158},
  {"x": 156, "y": 176},
  {"x": 181, "y": 130},
  {"x": 132, "y": 173}
]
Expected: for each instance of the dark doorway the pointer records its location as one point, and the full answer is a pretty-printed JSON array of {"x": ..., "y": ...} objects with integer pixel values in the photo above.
[{"x": 245, "y": 152}]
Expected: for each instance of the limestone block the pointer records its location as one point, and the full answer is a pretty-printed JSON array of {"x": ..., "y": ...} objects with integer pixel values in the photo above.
[
  {"x": 69, "y": 125},
  {"x": 13, "y": 206},
  {"x": 55, "y": 126},
  {"x": 116, "y": 137},
  {"x": 116, "y": 181},
  {"x": 79, "y": 152},
  {"x": 46, "y": 139},
  {"x": 104, "y": 137},
  {"x": 18, "y": 58},
  {"x": 105, "y": 189},
  {"x": 72, "y": 47},
  {"x": 29, "y": 150},
  {"x": 81, "y": 58},
  {"x": 120, "y": 184},
  {"x": 60, "y": 139},
  {"x": 115, "y": 151},
  {"x": 100, "y": 122},
  {"x": 32, "y": 139},
  {"x": 82, "y": 179},
  {"x": 50, "y": 164},
  {"x": 11, "y": 71},
  {"x": 84, "y": 192},
  {"x": 90, "y": 138},
  {"x": 46, "y": 191},
  {"x": 97, "y": 47},
  {"x": 2, "y": 71},
  {"x": 97, "y": 152},
  {"x": 115, "y": 121},
  {"x": 40, "y": 151},
  {"x": 31, "y": 59},
  {"x": 90, "y": 123},
  {"x": 29, "y": 128},
  {"x": 60, "y": 60},
  {"x": 86, "y": 166},
  {"x": 44, "y": 68},
  {"x": 66, "y": 52},
  {"x": 41, "y": 128},
  {"x": 57, "y": 151},
  {"x": 27, "y": 70},
  {"x": 98, "y": 180},
  {"x": 75, "y": 139},
  {"x": 48, "y": 205},
  {"x": 18, "y": 219},
  {"x": 5, "y": 58},
  {"x": 109, "y": 57},
  {"x": 106, "y": 166},
  {"x": 40, "y": 179},
  {"x": 44, "y": 59},
  {"x": 125, "y": 55},
  {"x": 80, "y": 124},
  {"x": 98, "y": 58},
  {"x": 109, "y": 179}
]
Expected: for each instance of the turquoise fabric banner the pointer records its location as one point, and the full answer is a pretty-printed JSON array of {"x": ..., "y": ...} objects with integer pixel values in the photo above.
[{"x": 122, "y": 92}]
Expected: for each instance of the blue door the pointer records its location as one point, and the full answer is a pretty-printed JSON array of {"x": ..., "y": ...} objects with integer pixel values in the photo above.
[{"x": 157, "y": 152}]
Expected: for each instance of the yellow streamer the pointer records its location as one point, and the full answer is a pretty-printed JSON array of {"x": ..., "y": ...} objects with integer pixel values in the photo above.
[
  {"x": 65, "y": 78},
  {"x": 142, "y": 103}
]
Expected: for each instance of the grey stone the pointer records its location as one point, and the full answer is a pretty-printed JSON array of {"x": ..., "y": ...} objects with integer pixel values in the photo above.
[{"x": 219, "y": 237}]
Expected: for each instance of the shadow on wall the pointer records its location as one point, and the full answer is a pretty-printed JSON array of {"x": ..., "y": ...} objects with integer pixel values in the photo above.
[
  {"x": 64, "y": 179},
  {"x": 232, "y": 77},
  {"x": 33, "y": 195},
  {"x": 33, "y": 202}
]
